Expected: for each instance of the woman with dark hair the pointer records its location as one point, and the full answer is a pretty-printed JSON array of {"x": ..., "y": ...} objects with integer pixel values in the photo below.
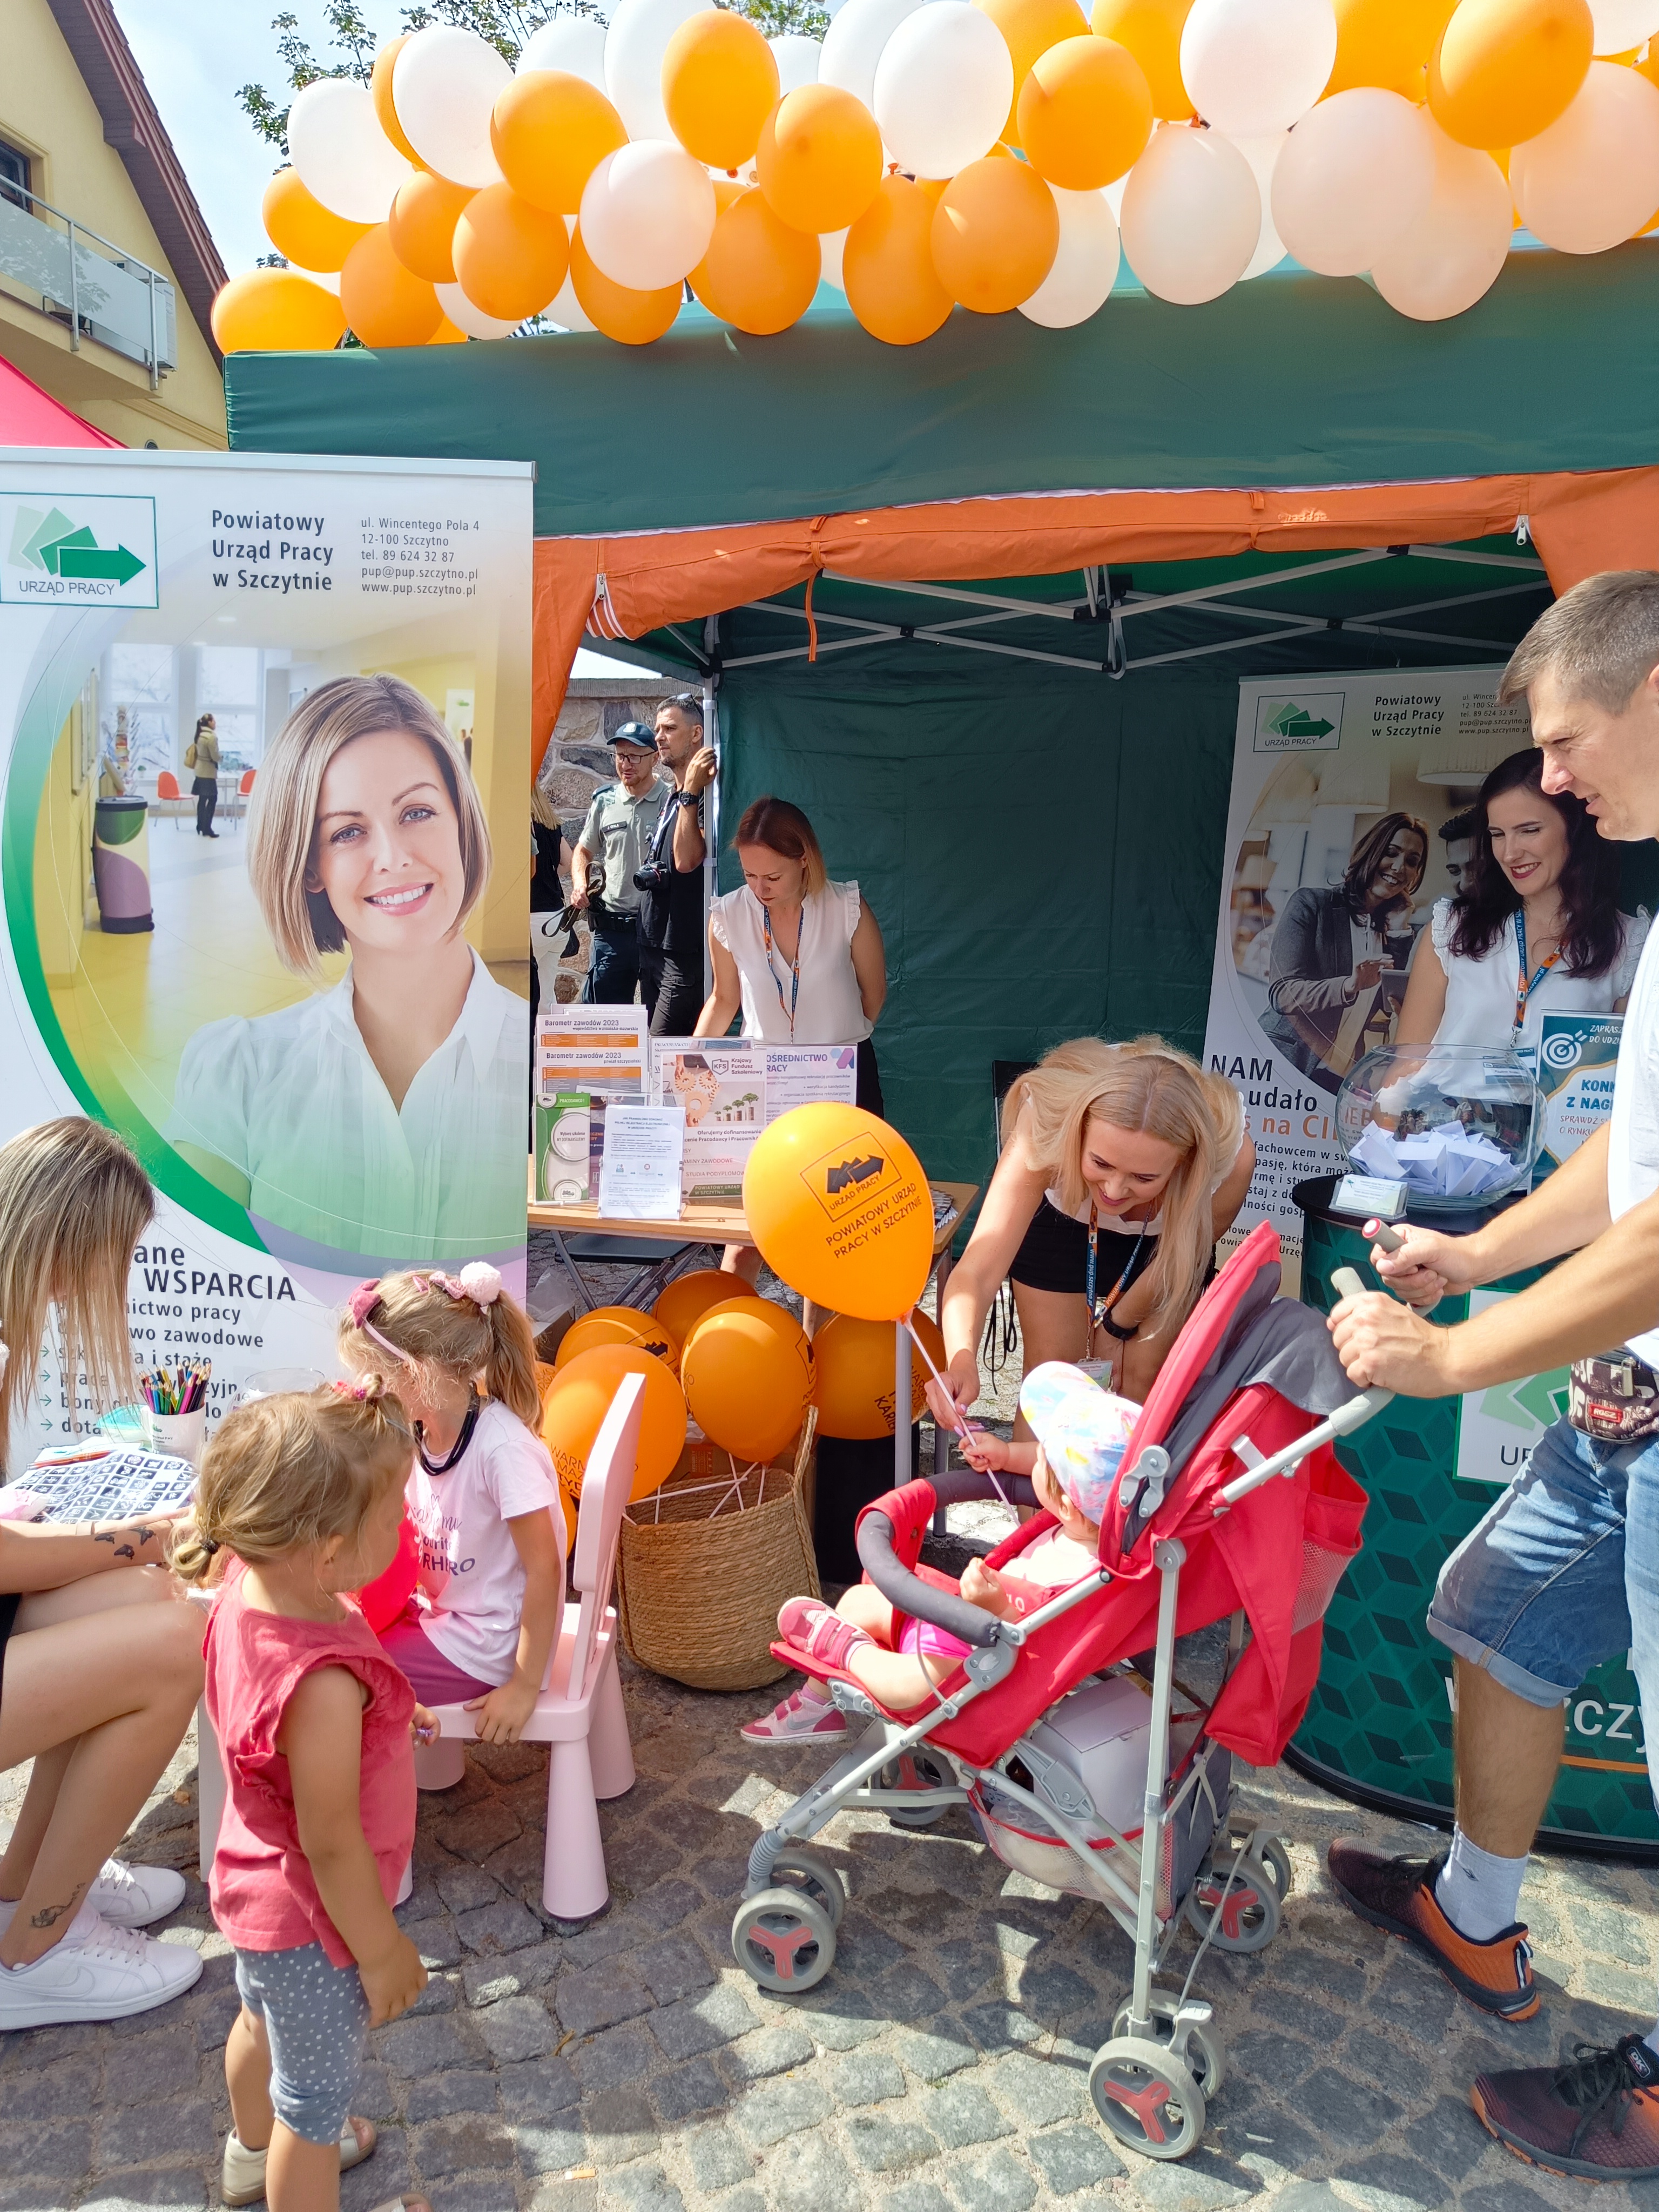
[
  {"x": 1535, "y": 929},
  {"x": 1332, "y": 948}
]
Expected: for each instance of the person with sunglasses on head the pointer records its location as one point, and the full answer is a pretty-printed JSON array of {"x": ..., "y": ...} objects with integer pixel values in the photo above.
[
  {"x": 670, "y": 881},
  {"x": 615, "y": 842}
]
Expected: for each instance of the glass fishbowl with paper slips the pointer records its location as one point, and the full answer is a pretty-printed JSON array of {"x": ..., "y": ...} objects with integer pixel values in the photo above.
[{"x": 1460, "y": 1126}]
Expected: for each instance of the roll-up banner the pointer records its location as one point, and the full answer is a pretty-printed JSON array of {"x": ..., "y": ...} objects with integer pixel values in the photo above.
[
  {"x": 264, "y": 846},
  {"x": 1348, "y": 819}
]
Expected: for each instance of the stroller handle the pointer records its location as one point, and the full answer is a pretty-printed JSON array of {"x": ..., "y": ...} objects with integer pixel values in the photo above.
[
  {"x": 908, "y": 1592},
  {"x": 1347, "y": 1284}
]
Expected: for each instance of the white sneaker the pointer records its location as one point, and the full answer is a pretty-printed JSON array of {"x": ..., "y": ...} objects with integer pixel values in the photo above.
[
  {"x": 96, "y": 1973},
  {"x": 132, "y": 1896}
]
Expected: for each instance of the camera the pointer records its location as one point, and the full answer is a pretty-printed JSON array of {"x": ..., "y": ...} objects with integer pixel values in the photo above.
[{"x": 650, "y": 878}]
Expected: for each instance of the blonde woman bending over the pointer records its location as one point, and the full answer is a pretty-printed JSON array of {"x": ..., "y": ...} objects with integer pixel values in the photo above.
[
  {"x": 384, "y": 1116},
  {"x": 1129, "y": 1152},
  {"x": 99, "y": 1666}
]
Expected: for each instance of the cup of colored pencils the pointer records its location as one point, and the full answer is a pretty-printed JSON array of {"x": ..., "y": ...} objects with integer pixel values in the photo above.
[{"x": 176, "y": 1400}]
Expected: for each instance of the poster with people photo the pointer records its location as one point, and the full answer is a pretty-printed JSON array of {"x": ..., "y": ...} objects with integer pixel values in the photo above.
[
  {"x": 1349, "y": 817},
  {"x": 276, "y": 936}
]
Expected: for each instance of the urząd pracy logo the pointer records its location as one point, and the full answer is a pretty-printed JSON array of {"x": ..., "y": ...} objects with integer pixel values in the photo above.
[
  {"x": 1299, "y": 722},
  {"x": 77, "y": 551}
]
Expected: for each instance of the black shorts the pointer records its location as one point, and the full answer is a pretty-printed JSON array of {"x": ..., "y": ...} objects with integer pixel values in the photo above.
[
  {"x": 868, "y": 1095},
  {"x": 9, "y": 1601},
  {"x": 1054, "y": 1255}
]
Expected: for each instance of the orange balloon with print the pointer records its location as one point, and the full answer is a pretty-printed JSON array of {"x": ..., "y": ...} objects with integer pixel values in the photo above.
[
  {"x": 747, "y": 1386},
  {"x": 1030, "y": 28},
  {"x": 1387, "y": 42},
  {"x": 1151, "y": 29},
  {"x": 617, "y": 1325},
  {"x": 579, "y": 1397},
  {"x": 510, "y": 258},
  {"x": 385, "y": 303},
  {"x": 550, "y": 132},
  {"x": 720, "y": 82},
  {"x": 839, "y": 1206},
  {"x": 854, "y": 1363},
  {"x": 275, "y": 311},
  {"x": 688, "y": 1298},
  {"x": 1085, "y": 113},
  {"x": 891, "y": 285},
  {"x": 379, "y": 91},
  {"x": 995, "y": 232},
  {"x": 779, "y": 1319},
  {"x": 422, "y": 225},
  {"x": 302, "y": 229},
  {"x": 819, "y": 159},
  {"x": 758, "y": 275},
  {"x": 631, "y": 317},
  {"x": 1505, "y": 70}
]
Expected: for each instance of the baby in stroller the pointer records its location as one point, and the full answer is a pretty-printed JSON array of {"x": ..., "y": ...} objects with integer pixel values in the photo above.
[{"x": 1080, "y": 1432}]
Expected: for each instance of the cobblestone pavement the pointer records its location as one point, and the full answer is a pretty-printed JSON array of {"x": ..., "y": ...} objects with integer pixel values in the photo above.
[{"x": 631, "y": 2068}]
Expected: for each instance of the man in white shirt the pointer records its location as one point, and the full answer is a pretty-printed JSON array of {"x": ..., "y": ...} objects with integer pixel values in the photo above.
[{"x": 1563, "y": 1572}]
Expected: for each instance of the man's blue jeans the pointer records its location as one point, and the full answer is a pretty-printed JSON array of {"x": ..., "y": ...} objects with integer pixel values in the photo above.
[{"x": 615, "y": 972}]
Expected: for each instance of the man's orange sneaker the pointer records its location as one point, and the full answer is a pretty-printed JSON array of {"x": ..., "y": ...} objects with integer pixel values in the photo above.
[
  {"x": 1398, "y": 1896},
  {"x": 1597, "y": 2117}
]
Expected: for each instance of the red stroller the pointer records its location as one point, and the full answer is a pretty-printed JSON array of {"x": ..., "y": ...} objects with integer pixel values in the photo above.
[{"x": 1066, "y": 1735}]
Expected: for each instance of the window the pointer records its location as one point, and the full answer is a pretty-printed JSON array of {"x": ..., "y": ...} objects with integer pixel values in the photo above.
[
  {"x": 135, "y": 711},
  {"x": 15, "y": 178},
  {"x": 227, "y": 688}
]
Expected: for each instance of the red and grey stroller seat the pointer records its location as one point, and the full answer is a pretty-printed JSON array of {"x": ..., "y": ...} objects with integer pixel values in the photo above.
[{"x": 1230, "y": 1506}]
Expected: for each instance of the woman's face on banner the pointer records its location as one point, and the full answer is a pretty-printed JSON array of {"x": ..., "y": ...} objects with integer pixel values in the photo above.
[
  {"x": 1529, "y": 839},
  {"x": 1126, "y": 1168},
  {"x": 1399, "y": 870},
  {"x": 387, "y": 850}
]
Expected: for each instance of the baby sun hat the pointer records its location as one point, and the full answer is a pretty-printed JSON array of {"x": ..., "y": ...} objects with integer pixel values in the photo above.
[{"x": 1082, "y": 1430}]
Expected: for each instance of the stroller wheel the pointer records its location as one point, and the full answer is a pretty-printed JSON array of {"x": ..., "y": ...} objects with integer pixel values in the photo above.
[
  {"x": 1275, "y": 1859},
  {"x": 1206, "y": 2057},
  {"x": 784, "y": 1940},
  {"x": 1148, "y": 2099},
  {"x": 812, "y": 1876},
  {"x": 1250, "y": 1908},
  {"x": 917, "y": 1771}
]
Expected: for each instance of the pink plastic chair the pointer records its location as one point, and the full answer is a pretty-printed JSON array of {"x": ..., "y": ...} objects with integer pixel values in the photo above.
[
  {"x": 168, "y": 792},
  {"x": 581, "y": 1715}
]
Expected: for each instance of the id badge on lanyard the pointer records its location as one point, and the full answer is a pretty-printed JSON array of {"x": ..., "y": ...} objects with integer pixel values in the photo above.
[
  {"x": 1524, "y": 989},
  {"x": 790, "y": 1003}
]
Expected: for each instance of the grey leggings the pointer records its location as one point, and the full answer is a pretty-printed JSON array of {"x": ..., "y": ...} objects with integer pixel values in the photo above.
[{"x": 316, "y": 2018}]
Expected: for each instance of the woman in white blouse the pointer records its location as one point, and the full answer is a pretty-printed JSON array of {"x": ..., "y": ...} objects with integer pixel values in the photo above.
[
  {"x": 801, "y": 957},
  {"x": 382, "y": 1119},
  {"x": 1535, "y": 929}
]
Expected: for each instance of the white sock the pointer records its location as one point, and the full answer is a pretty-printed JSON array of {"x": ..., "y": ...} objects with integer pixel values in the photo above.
[{"x": 1479, "y": 1892}]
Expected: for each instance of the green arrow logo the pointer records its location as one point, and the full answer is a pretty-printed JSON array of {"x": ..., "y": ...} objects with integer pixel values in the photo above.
[
  {"x": 1294, "y": 721},
  {"x": 53, "y": 544},
  {"x": 118, "y": 565}
]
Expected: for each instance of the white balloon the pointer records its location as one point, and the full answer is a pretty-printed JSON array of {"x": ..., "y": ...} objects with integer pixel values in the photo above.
[
  {"x": 1622, "y": 24},
  {"x": 465, "y": 317},
  {"x": 342, "y": 157},
  {"x": 634, "y": 48},
  {"x": 832, "y": 244},
  {"x": 1452, "y": 255},
  {"x": 443, "y": 83},
  {"x": 1252, "y": 66},
  {"x": 1592, "y": 178},
  {"x": 852, "y": 45},
  {"x": 648, "y": 214},
  {"x": 1356, "y": 175},
  {"x": 567, "y": 310},
  {"x": 944, "y": 86},
  {"x": 797, "y": 58},
  {"x": 570, "y": 43},
  {"x": 1085, "y": 263},
  {"x": 1262, "y": 155},
  {"x": 1192, "y": 214}
]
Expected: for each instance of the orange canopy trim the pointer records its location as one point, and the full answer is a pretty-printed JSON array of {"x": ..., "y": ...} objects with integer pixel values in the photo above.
[{"x": 1581, "y": 524}]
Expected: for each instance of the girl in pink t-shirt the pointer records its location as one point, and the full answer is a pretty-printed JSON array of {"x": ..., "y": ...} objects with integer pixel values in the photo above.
[
  {"x": 303, "y": 1492},
  {"x": 483, "y": 1497}
]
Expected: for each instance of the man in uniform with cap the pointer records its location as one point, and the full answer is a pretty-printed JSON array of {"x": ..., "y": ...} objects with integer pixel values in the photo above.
[{"x": 615, "y": 842}]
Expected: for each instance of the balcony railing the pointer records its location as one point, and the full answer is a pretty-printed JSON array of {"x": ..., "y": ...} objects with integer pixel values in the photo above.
[{"x": 76, "y": 277}]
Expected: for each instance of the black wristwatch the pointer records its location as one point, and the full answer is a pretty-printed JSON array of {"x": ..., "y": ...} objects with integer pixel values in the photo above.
[
  {"x": 688, "y": 798},
  {"x": 1112, "y": 1329}
]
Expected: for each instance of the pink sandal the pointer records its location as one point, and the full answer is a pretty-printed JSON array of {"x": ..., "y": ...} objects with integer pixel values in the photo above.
[
  {"x": 811, "y": 1626},
  {"x": 800, "y": 1715}
]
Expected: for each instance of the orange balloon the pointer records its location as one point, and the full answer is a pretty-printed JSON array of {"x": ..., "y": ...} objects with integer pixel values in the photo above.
[
  {"x": 1151, "y": 30},
  {"x": 510, "y": 258},
  {"x": 757, "y": 275},
  {"x": 839, "y": 1206},
  {"x": 778, "y": 1319},
  {"x": 1031, "y": 27},
  {"x": 617, "y": 1325},
  {"x": 275, "y": 311},
  {"x": 302, "y": 229},
  {"x": 631, "y": 317},
  {"x": 819, "y": 158},
  {"x": 854, "y": 1363},
  {"x": 385, "y": 303},
  {"x": 579, "y": 1397},
  {"x": 689, "y": 1297},
  {"x": 446, "y": 334},
  {"x": 1387, "y": 42},
  {"x": 379, "y": 91},
  {"x": 892, "y": 287},
  {"x": 1505, "y": 70},
  {"x": 747, "y": 1386},
  {"x": 1085, "y": 113},
  {"x": 995, "y": 232},
  {"x": 550, "y": 132},
  {"x": 720, "y": 82},
  {"x": 422, "y": 222}
]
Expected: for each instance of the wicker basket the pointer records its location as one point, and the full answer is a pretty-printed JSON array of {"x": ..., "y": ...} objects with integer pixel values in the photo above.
[{"x": 699, "y": 1583}]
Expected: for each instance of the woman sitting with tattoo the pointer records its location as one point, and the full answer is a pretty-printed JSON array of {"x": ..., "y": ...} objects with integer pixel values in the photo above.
[{"x": 101, "y": 1662}]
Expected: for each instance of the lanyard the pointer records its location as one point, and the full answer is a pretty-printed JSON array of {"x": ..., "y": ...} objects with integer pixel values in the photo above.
[
  {"x": 1523, "y": 989},
  {"x": 788, "y": 1006},
  {"x": 1099, "y": 1309}
]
